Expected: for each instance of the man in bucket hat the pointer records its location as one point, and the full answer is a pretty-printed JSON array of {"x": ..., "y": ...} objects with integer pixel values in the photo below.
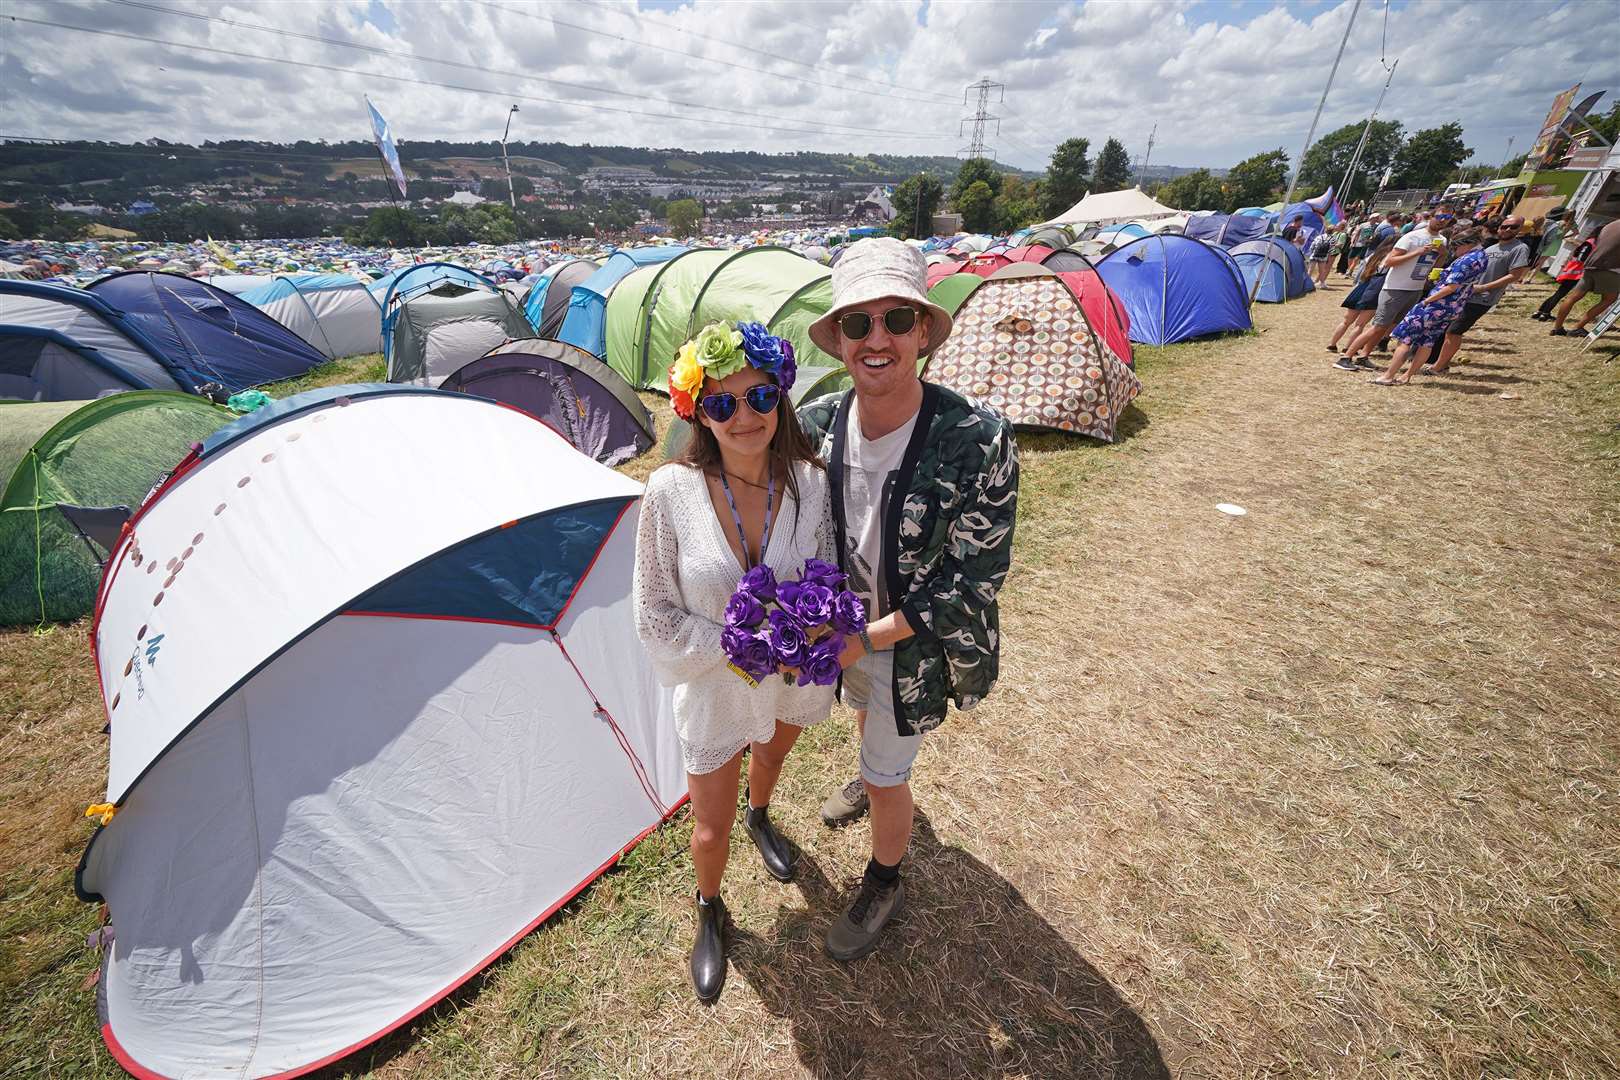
[{"x": 924, "y": 488}]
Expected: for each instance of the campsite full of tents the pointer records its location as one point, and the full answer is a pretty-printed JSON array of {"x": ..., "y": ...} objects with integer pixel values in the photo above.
[{"x": 500, "y": 546}]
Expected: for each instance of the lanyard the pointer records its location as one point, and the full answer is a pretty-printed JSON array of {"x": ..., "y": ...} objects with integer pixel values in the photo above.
[{"x": 736, "y": 519}]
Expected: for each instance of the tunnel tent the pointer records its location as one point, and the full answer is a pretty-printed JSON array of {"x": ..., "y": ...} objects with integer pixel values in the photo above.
[
  {"x": 772, "y": 285},
  {"x": 1022, "y": 343},
  {"x": 585, "y": 322},
  {"x": 59, "y": 343},
  {"x": 214, "y": 336},
  {"x": 1273, "y": 270},
  {"x": 568, "y": 388},
  {"x": 336, "y": 313},
  {"x": 642, "y": 339},
  {"x": 1175, "y": 288},
  {"x": 84, "y": 455},
  {"x": 439, "y": 316},
  {"x": 546, "y": 305},
  {"x": 624, "y": 311},
  {"x": 453, "y": 727}
]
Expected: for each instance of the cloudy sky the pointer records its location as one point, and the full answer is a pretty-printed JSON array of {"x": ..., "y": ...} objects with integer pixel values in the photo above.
[{"x": 1222, "y": 79}]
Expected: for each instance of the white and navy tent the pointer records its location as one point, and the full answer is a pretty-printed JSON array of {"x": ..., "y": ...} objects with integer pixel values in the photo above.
[
  {"x": 375, "y": 714},
  {"x": 336, "y": 313}
]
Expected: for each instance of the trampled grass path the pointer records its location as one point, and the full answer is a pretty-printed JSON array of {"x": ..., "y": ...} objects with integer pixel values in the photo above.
[{"x": 1325, "y": 790}]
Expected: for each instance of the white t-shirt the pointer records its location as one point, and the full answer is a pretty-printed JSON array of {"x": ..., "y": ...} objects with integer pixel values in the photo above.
[
  {"x": 871, "y": 468},
  {"x": 1412, "y": 276}
]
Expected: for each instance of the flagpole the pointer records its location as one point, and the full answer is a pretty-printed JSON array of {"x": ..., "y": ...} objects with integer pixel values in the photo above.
[{"x": 1344, "y": 187}]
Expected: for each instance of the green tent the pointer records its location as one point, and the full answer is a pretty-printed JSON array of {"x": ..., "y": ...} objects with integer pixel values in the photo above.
[
  {"x": 772, "y": 285},
  {"x": 949, "y": 292},
  {"x": 107, "y": 452}
]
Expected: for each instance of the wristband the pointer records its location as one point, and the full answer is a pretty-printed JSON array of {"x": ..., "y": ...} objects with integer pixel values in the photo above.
[{"x": 866, "y": 642}]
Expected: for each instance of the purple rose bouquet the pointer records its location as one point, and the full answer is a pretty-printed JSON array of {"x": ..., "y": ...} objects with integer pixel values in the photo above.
[{"x": 798, "y": 624}]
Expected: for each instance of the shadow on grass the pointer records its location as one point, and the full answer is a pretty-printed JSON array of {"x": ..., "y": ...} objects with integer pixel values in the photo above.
[
  {"x": 970, "y": 982},
  {"x": 1430, "y": 383},
  {"x": 1464, "y": 373}
]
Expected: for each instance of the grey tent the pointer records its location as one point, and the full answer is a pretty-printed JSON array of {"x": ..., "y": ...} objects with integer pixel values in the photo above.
[
  {"x": 547, "y": 302},
  {"x": 569, "y": 389},
  {"x": 435, "y": 333}
]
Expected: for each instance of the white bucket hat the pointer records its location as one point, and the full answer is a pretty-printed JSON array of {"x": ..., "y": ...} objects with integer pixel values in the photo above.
[{"x": 880, "y": 268}]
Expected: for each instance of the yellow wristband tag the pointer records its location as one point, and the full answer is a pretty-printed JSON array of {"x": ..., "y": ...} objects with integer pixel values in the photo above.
[{"x": 743, "y": 675}]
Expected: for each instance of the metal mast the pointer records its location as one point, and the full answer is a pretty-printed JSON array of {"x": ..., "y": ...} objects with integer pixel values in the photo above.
[{"x": 981, "y": 117}]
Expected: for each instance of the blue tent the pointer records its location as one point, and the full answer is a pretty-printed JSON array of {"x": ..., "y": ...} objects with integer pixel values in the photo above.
[
  {"x": 546, "y": 304},
  {"x": 59, "y": 343},
  {"x": 1227, "y": 230},
  {"x": 585, "y": 325},
  {"x": 1277, "y": 265},
  {"x": 1175, "y": 288},
  {"x": 209, "y": 334}
]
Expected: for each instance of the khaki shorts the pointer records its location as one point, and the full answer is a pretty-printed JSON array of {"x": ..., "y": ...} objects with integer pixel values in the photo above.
[
  {"x": 1602, "y": 282},
  {"x": 1393, "y": 304},
  {"x": 886, "y": 755}
]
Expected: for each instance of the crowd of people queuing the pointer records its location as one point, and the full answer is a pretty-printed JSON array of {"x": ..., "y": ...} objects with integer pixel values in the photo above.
[{"x": 1424, "y": 279}]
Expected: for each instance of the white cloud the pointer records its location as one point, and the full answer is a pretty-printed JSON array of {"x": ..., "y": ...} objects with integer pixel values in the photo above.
[{"x": 1219, "y": 89}]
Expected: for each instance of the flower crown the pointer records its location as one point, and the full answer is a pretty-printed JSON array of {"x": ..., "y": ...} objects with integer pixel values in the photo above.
[{"x": 722, "y": 349}]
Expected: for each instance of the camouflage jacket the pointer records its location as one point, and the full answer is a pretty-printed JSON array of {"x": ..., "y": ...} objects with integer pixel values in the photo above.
[{"x": 954, "y": 526}]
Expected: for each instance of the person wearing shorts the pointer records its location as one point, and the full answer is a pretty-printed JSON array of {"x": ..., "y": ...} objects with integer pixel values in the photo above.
[
  {"x": 1407, "y": 276},
  {"x": 924, "y": 491},
  {"x": 1506, "y": 263},
  {"x": 1602, "y": 276}
]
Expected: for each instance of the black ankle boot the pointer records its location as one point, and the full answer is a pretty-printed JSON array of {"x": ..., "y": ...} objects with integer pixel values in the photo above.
[
  {"x": 709, "y": 949},
  {"x": 774, "y": 850}
]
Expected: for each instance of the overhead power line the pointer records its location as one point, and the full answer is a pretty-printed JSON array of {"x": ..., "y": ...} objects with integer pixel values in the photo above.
[
  {"x": 752, "y": 70},
  {"x": 505, "y": 94},
  {"x": 641, "y": 17},
  {"x": 377, "y": 50}
]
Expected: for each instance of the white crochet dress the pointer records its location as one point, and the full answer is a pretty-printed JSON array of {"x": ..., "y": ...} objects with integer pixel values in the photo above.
[{"x": 685, "y": 574}]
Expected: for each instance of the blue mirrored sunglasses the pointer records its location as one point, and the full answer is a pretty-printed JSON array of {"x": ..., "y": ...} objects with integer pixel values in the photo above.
[{"x": 761, "y": 398}]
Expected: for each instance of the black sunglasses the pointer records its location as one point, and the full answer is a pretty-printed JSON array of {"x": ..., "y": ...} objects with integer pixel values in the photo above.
[
  {"x": 855, "y": 325},
  {"x": 762, "y": 398}
]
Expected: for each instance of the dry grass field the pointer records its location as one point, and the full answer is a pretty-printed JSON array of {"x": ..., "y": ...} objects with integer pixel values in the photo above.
[{"x": 1327, "y": 790}]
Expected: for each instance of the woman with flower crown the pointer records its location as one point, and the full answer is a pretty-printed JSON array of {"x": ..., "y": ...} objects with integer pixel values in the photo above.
[{"x": 747, "y": 498}]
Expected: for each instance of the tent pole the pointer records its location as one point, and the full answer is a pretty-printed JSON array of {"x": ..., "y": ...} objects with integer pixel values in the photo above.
[
  {"x": 1293, "y": 181},
  {"x": 1344, "y": 186}
]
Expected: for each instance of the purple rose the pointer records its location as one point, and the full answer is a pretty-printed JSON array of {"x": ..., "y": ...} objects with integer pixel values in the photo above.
[
  {"x": 787, "y": 595},
  {"x": 848, "y": 613},
  {"x": 813, "y": 605},
  {"x": 749, "y": 650},
  {"x": 743, "y": 610},
  {"x": 823, "y": 573},
  {"x": 788, "y": 640},
  {"x": 763, "y": 349},
  {"x": 789, "y": 371},
  {"x": 759, "y": 583},
  {"x": 821, "y": 667}
]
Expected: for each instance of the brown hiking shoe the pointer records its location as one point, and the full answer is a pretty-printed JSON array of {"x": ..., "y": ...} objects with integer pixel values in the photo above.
[
  {"x": 859, "y": 929},
  {"x": 846, "y": 805}
]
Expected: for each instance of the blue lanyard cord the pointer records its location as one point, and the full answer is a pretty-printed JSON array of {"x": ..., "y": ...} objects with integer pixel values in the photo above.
[{"x": 736, "y": 519}]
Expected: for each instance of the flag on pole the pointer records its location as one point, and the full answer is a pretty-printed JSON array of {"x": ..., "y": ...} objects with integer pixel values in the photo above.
[{"x": 386, "y": 147}]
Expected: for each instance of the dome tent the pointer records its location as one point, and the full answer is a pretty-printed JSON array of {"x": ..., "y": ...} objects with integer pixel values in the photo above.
[
  {"x": 439, "y": 316},
  {"x": 546, "y": 305},
  {"x": 579, "y": 396},
  {"x": 1226, "y": 230},
  {"x": 63, "y": 344},
  {"x": 1022, "y": 343},
  {"x": 585, "y": 323},
  {"x": 100, "y": 454},
  {"x": 1276, "y": 266},
  {"x": 1175, "y": 288},
  {"x": 214, "y": 336},
  {"x": 335, "y": 313},
  {"x": 453, "y": 728}
]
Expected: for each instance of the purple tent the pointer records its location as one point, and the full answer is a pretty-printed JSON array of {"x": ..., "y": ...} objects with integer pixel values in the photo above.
[{"x": 567, "y": 388}]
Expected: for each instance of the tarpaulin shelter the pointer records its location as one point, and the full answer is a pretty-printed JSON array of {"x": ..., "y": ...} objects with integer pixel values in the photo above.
[
  {"x": 585, "y": 324},
  {"x": 63, "y": 344},
  {"x": 439, "y": 316},
  {"x": 214, "y": 336},
  {"x": 649, "y": 316},
  {"x": 1273, "y": 270},
  {"x": 62, "y": 458},
  {"x": 565, "y": 386},
  {"x": 334, "y": 809},
  {"x": 546, "y": 305},
  {"x": 336, "y": 313},
  {"x": 1175, "y": 288},
  {"x": 1111, "y": 207},
  {"x": 1022, "y": 343}
]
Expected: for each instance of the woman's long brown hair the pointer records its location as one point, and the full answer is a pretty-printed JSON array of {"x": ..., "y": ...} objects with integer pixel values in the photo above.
[{"x": 789, "y": 445}]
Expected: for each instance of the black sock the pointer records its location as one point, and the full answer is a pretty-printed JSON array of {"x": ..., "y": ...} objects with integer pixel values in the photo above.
[{"x": 883, "y": 875}]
